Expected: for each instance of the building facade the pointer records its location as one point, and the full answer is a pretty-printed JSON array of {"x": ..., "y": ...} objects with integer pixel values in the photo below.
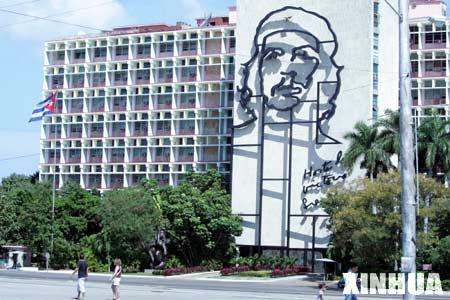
[
  {"x": 139, "y": 102},
  {"x": 430, "y": 56},
  {"x": 308, "y": 74}
]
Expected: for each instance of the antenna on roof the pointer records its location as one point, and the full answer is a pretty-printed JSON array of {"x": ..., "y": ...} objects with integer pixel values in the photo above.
[{"x": 206, "y": 20}]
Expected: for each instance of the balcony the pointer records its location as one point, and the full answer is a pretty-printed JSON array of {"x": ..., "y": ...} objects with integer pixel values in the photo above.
[
  {"x": 190, "y": 78},
  {"x": 95, "y": 160},
  {"x": 162, "y": 132},
  {"x": 143, "y": 55},
  {"x": 163, "y": 105},
  {"x": 414, "y": 74},
  {"x": 434, "y": 101},
  {"x": 94, "y": 185},
  {"x": 188, "y": 131},
  {"x": 57, "y": 62},
  {"x": 119, "y": 108},
  {"x": 140, "y": 133},
  {"x": 77, "y": 85},
  {"x": 186, "y": 105},
  {"x": 185, "y": 158},
  {"x": 54, "y": 135},
  {"x": 121, "y": 57},
  {"x": 161, "y": 158},
  {"x": 116, "y": 159},
  {"x": 120, "y": 82},
  {"x": 167, "y": 79},
  {"x": 434, "y": 46},
  {"x": 140, "y": 107},
  {"x": 139, "y": 159},
  {"x": 115, "y": 185},
  {"x": 99, "y": 59},
  {"x": 75, "y": 109},
  {"x": 213, "y": 47},
  {"x": 73, "y": 160},
  {"x": 55, "y": 86},
  {"x": 74, "y": 135},
  {"x": 211, "y": 104},
  {"x": 165, "y": 54},
  {"x": 52, "y": 160},
  {"x": 98, "y": 84},
  {"x": 142, "y": 81},
  {"x": 210, "y": 76},
  {"x": 188, "y": 52},
  {"x": 414, "y": 46},
  {"x": 209, "y": 158},
  {"x": 117, "y": 134},
  {"x": 209, "y": 131},
  {"x": 96, "y": 134},
  {"x": 78, "y": 60},
  {"x": 434, "y": 74},
  {"x": 97, "y": 109}
]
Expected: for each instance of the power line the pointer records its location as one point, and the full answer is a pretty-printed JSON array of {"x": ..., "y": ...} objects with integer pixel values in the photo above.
[
  {"x": 20, "y": 3},
  {"x": 59, "y": 14},
  {"x": 18, "y": 157},
  {"x": 49, "y": 20}
]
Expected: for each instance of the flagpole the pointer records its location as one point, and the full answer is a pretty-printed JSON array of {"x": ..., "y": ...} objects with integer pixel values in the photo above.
[{"x": 54, "y": 187}]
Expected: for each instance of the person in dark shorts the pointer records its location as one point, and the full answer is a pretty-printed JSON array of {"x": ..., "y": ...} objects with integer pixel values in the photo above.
[{"x": 82, "y": 270}]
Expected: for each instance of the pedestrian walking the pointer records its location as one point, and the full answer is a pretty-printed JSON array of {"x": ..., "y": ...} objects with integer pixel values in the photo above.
[
  {"x": 351, "y": 278},
  {"x": 322, "y": 288},
  {"x": 116, "y": 278},
  {"x": 82, "y": 270}
]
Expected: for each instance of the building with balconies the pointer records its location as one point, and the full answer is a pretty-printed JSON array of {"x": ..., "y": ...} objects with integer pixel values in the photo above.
[
  {"x": 139, "y": 102},
  {"x": 430, "y": 54}
]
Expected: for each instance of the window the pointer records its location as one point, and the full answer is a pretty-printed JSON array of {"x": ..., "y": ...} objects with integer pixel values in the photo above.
[
  {"x": 122, "y": 51},
  {"x": 189, "y": 46},
  {"x": 79, "y": 54},
  {"x": 60, "y": 55},
  {"x": 144, "y": 50},
  {"x": 99, "y": 52},
  {"x": 166, "y": 47}
]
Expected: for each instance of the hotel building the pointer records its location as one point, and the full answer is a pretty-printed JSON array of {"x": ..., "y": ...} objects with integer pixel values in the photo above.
[{"x": 139, "y": 102}]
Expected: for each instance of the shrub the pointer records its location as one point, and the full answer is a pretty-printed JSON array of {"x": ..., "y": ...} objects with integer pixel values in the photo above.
[
  {"x": 212, "y": 264},
  {"x": 290, "y": 271},
  {"x": 446, "y": 285},
  {"x": 179, "y": 271},
  {"x": 173, "y": 262}
]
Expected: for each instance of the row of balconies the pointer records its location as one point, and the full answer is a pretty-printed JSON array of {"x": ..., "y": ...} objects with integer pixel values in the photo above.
[
  {"x": 207, "y": 73},
  {"x": 122, "y": 53}
]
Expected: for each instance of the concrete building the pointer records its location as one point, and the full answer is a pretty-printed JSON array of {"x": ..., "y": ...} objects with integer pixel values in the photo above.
[
  {"x": 310, "y": 71},
  {"x": 139, "y": 102},
  {"x": 430, "y": 55}
]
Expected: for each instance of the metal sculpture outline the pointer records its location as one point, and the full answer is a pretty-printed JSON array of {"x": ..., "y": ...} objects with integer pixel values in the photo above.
[{"x": 245, "y": 92}]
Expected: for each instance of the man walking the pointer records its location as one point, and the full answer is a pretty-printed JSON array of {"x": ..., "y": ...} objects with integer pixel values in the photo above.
[{"x": 82, "y": 270}]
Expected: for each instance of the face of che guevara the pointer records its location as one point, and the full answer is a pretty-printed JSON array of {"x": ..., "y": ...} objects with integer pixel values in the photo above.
[{"x": 286, "y": 67}]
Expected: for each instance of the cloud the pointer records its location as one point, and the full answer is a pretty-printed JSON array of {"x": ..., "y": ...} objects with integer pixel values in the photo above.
[{"x": 101, "y": 14}]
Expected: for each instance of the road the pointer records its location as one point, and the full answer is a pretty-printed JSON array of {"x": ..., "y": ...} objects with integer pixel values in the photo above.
[{"x": 41, "y": 286}]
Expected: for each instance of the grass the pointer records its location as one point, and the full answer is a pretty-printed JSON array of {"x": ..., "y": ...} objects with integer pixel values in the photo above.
[{"x": 263, "y": 273}]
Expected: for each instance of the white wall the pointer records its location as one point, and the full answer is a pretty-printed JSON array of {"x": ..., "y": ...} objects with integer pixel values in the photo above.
[{"x": 352, "y": 21}]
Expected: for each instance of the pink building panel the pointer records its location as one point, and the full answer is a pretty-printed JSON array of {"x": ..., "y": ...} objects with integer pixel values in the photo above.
[{"x": 427, "y": 8}]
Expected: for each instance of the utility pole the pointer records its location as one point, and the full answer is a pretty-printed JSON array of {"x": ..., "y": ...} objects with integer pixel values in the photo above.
[{"x": 407, "y": 154}]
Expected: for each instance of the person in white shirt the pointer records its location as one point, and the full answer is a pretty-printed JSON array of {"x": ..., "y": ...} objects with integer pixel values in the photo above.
[{"x": 351, "y": 286}]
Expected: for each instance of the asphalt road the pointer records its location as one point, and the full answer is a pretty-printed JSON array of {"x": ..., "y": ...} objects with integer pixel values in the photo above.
[{"x": 37, "y": 286}]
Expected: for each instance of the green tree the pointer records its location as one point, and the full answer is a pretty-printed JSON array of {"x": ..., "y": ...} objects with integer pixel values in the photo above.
[
  {"x": 389, "y": 135},
  {"x": 130, "y": 219},
  {"x": 434, "y": 144},
  {"x": 373, "y": 240},
  {"x": 200, "y": 224},
  {"x": 365, "y": 145}
]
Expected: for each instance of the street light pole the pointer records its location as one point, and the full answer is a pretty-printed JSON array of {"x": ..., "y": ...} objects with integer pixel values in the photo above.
[{"x": 407, "y": 154}]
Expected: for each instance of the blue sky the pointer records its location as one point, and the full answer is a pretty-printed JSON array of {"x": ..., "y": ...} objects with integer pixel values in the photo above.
[{"x": 21, "y": 56}]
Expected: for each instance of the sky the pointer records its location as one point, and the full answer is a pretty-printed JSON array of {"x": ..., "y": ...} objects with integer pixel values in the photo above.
[{"x": 22, "y": 56}]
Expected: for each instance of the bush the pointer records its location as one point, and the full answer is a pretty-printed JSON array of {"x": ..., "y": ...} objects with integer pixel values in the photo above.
[
  {"x": 179, "y": 271},
  {"x": 255, "y": 273},
  {"x": 173, "y": 262},
  {"x": 290, "y": 271},
  {"x": 234, "y": 270},
  {"x": 212, "y": 265},
  {"x": 446, "y": 285}
]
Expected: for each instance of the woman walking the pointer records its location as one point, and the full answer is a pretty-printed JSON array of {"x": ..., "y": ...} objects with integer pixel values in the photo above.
[{"x": 116, "y": 278}]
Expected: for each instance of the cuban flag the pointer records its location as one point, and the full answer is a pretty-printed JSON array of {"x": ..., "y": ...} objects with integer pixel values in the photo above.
[{"x": 43, "y": 108}]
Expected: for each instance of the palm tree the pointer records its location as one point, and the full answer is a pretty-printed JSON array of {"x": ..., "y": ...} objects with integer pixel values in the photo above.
[
  {"x": 366, "y": 144},
  {"x": 390, "y": 132},
  {"x": 434, "y": 147},
  {"x": 434, "y": 144}
]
